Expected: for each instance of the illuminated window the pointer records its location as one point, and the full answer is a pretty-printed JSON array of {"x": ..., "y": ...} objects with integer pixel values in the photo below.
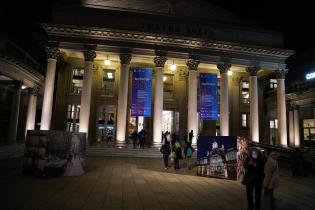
[
  {"x": 168, "y": 86},
  {"x": 244, "y": 120},
  {"x": 73, "y": 116},
  {"x": 273, "y": 84},
  {"x": 309, "y": 129},
  {"x": 108, "y": 86},
  {"x": 273, "y": 124},
  {"x": 245, "y": 92},
  {"x": 77, "y": 81}
]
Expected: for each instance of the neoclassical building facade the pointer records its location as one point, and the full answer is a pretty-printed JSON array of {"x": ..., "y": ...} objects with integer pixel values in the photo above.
[{"x": 100, "y": 42}]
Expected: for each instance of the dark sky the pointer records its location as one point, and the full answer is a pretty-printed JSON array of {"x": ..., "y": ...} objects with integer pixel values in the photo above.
[{"x": 294, "y": 18}]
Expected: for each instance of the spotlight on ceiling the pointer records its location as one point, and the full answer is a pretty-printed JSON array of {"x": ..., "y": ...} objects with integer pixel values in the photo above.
[
  {"x": 173, "y": 66},
  {"x": 164, "y": 78},
  {"x": 230, "y": 72}
]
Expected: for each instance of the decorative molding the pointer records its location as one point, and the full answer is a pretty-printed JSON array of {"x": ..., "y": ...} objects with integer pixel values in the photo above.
[
  {"x": 52, "y": 53},
  {"x": 89, "y": 55},
  {"x": 192, "y": 64},
  {"x": 281, "y": 73},
  {"x": 252, "y": 70},
  {"x": 223, "y": 67},
  {"x": 165, "y": 40},
  {"x": 159, "y": 61},
  {"x": 125, "y": 58},
  {"x": 34, "y": 91}
]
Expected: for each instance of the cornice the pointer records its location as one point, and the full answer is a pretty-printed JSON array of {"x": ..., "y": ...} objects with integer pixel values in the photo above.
[{"x": 175, "y": 41}]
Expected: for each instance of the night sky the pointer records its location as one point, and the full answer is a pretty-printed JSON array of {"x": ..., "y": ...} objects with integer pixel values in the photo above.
[{"x": 295, "y": 20}]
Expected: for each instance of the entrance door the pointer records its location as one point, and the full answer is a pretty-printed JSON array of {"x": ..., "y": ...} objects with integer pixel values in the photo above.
[
  {"x": 106, "y": 124},
  {"x": 170, "y": 121}
]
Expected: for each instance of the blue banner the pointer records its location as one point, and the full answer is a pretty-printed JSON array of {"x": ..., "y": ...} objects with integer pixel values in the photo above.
[
  {"x": 141, "y": 92},
  {"x": 208, "y": 96}
]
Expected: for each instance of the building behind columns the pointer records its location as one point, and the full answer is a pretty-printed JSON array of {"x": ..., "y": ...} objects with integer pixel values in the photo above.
[
  {"x": 195, "y": 36},
  {"x": 21, "y": 84}
]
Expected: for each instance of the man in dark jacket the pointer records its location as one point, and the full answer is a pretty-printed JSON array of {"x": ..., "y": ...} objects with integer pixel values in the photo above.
[
  {"x": 166, "y": 151},
  {"x": 254, "y": 177}
]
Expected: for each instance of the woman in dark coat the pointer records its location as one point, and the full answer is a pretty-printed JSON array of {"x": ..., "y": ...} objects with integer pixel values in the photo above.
[{"x": 254, "y": 176}]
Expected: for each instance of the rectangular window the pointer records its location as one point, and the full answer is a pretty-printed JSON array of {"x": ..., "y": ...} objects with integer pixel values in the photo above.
[
  {"x": 309, "y": 129},
  {"x": 244, "y": 120},
  {"x": 108, "y": 86},
  {"x": 273, "y": 84},
  {"x": 73, "y": 115},
  {"x": 245, "y": 92},
  {"x": 77, "y": 81},
  {"x": 168, "y": 86},
  {"x": 273, "y": 124}
]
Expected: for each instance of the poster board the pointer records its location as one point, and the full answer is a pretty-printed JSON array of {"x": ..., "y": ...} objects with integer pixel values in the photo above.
[
  {"x": 54, "y": 153},
  {"x": 221, "y": 156}
]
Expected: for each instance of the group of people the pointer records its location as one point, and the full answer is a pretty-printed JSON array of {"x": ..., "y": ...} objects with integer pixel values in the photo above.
[
  {"x": 138, "y": 139},
  {"x": 173, "y": 148},
  {"x": 261, "y": 172},
  {"x": 302, "y": 162}
]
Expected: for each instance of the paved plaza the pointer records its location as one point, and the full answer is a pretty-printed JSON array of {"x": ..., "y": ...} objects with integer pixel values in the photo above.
[{"x": 138, "y": 183}]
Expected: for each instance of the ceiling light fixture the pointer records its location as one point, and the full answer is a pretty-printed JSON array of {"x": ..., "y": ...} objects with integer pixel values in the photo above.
[{"x": 107, "y": 62}]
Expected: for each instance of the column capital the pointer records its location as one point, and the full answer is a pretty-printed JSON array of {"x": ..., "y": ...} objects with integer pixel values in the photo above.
[
  {"x": 89, "y": 55},
  {"x": 252, "y": 70},
  {"x": 125, "y": 58},
  {"x": 33, "y": 91},
  {"x": 159, "y": 60},
  {"x": 281, "y": 73},
  {"x": 223, "y": 67},
  {"x": 192, "y": 64},
  {"x": 52, "y": 53}
]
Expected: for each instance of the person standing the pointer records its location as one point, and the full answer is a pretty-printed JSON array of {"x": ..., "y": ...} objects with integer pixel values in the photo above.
[
  {"x": 190, "y": 150},
  {"x": 178, "y": 155},
  {"x": 134, "y": 138},
  {"x": 191, "y": 136},
  {"x": 271, "y": 180},
  {"x": 253, "y": 179},
  {"x": 166, "y": 151}
]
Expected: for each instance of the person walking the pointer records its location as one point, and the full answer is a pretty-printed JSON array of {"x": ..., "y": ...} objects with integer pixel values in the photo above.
[
  {"x": 189, "y": 151},
  {"x": 253, "y": 179},
  {"x": 271, "y": 181},
  {"x": 166, "y": 151},
  {"x": 177, "y": 155}
]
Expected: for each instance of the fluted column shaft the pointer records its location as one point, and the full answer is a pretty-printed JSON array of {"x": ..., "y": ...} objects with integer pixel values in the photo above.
[
  {"x": 297, "y": 142},
  {"x": 89, "y": 56},
  {"x": 15, "y": 110},
  {"x": 224, "y": 98},
  {"x": 192, "y": 121},
  {"x": 253, "y": 100},
  {"x": 31, "y": 109},
  {"x": 123, "y": 98},
  {"x": 52, "y": 55},
  {"x": 159, "y": 61},
  {"x": 281, "y": 106}
]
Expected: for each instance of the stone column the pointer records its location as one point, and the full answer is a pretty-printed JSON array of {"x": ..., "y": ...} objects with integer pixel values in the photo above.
[
  {"x": 224, "y": 98},
  {"x": 281, "y": 106},
  {"x": 31, "y": 109},
  {"x": 297, "y": 142},
  {"x": 123, "y": 98},
  {"x": 291, "y": 127},
  {"x": 253, "y": 100},
  {"x": 89, "y": 56},
  {"x": 159, "y": 61},
  {"x": 192, "y": 121},
  {"x": 52, "y": 55},
  {"x": 15, "y": 108}
]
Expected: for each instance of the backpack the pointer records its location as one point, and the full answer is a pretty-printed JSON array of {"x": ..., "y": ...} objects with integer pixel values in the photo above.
[{"x": 189, "y": 151}]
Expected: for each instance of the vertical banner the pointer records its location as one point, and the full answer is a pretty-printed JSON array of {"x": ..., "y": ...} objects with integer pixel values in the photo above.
[
  {"x": 208, "y": 97},
  {"x": 141, "y": 92}
]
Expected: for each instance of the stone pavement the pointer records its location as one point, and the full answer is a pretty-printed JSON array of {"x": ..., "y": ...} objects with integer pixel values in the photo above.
[{"x": 138, "y": 183}]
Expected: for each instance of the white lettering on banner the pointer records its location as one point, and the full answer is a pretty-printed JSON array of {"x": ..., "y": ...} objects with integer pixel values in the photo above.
[{"x": 310, "y": 76}]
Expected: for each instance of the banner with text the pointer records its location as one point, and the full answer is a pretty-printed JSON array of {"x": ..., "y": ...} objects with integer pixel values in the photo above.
[
  {"x": 208, "y": 96},
  {"x": 141, "y": 92}
]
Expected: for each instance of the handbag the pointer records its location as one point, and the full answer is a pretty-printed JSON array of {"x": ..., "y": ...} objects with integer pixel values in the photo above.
[{"x": 173, "y": 155}]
